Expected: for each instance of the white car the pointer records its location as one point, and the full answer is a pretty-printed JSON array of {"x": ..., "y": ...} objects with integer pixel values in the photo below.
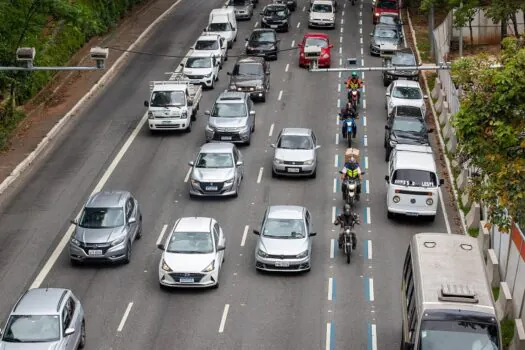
[
  {"x": 405, "y": 93},
  {"x": 193, "y": 254},
  {"x": 322, "y": 14},
  {"x": 212, "y": 44},
  {"x": 201, "y": 68}
]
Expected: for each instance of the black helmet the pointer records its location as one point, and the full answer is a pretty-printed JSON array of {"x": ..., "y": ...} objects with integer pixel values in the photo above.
[{"x": 347, "y": 210}]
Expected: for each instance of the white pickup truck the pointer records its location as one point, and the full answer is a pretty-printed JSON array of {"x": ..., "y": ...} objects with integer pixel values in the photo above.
[{"x": 173, "y": 104}]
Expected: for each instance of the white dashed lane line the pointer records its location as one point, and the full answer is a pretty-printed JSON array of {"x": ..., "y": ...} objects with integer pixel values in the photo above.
[
  {"x": 244, "y": 234},
  {"x": 271, "y": 130},
  {"x": 280, "y": 95},
  {"x": 298, "y": 24},
  {"x": 124, "y": 317},
  {"x": 223, "y": 318},
  {"x": 293, "y": 43},
  {"x": 287, "y": 67},
  {"x": 161, "y": 235},
  {"x": 259, "y": 178}
]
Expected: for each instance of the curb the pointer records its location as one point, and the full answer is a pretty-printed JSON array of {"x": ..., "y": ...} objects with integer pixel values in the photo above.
[
  {"x": 110, "y": 73},
  {"x": 440, "y": 137}
]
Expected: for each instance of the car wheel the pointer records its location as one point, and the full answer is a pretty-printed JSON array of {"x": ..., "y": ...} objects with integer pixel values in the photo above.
[
  {"x": 82, "y": 341},
  {"x": 127, "y": 259},
  {"x": 188, "y": 129},
  {"x": 274, "y": 174},
  {"x": 139, "y": 234},
  {"x": 389, "y": 214},
  {"x": 314, "y": 174}
]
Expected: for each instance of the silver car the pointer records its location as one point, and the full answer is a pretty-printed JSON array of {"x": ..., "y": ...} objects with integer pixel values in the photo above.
[
  {"x": 217, "y": 171},
  {"x": 109, "y": 224},
  {"x": 45, "y": 318},
  {"x": 243, "y": 8},
  {"x": 295, "y": 153},
  {"x": 285, "y": 242},
  {"x": 385, "y": 40}
]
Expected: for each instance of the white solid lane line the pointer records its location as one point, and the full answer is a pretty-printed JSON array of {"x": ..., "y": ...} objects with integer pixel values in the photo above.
[
  {"x": 161, "y": 235},
  {"x": 374, "y": 337},
  {"x": 293, "y": 43},
  {"x": 280, "y": 95},
  {"x": 328, "y": 336},
  {"x": 287, "y": 66},
  {"x": 259, "y": 178},
  {"x": 298, "y": 24},
  {"x": 244, "y": 234},
  {"x": 330, "y": 288},
  {"x": 271, "y": 130},
  {"x": 187, "y": 175},
  {"x": 124, "y": 317},
  {"x": 369, "y": 250},
  {"x": 335, "y": 185},
  {"x": 223, "y": 318},
  {"x": 371, "y": 289},
  {"x": 333, "y": 214}
]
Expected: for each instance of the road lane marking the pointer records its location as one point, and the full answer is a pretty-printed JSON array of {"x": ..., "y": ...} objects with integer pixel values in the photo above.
[
  {"x": 361, "y": 31},
  {"x": 370, "y": 289},
  {"x": 362, "y": 51},
  {"x": 161, "y": 235},
  {"x": 329, "y": 336},
  {"x": 360, "y": 22},
  {"x": 342, "y": 14},
  {"x": 367, "y": 185},
  {"x": 332, "y": 248},
  {"x": 280, "y": 95},
  {"x": 365, "y": 141},
  {"x": 363, "y": 76},
  {"x": 293, "y": 43},
  {"x": 340, "y": 75},
  {"x": 366, "y": 162},
  {"x": 340, "y": 50},
  {"x": 256, "y": 24},
  {"x": 333, "y": 214},
  {"x": 338, "y": 87},
  {"x": 361, "y": 41},
  {"x": 341, "y": 30},
  {"x": 287, "y": 66},
  {"x": 298, "y": 24},
  {"x": 364, "y": 120},
  {"x": 369, "y": 249},
  {"x": 223, "y": 318},
  {"x": 259, "y": 178},
  {"x": 337, "y": 135},
  {"x": 364, "y": 102},
  {"x": 331, "y": 289},
  {"x": 340, "y": 62},
  {"x": 368, "y": 216},
  {"x": 336, "y": 161},
  {"x": 124, "y": 317},
  {"x": 341, "y": 39},
  {"x": 304, "y": 8},
  {"x": 335, "y": 185},
  {"x": 338, "y": 103},
  {"x": 271, "y": 130},
  {"x": 244, "y": 234},
  {"x": 372, "y": 337},
  {"x": 187, "y": 177},
  {"x": 360, "y": 14}
]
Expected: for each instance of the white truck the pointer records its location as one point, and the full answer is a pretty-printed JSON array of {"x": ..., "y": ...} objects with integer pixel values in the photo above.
[{"x": 173, "y": 104}]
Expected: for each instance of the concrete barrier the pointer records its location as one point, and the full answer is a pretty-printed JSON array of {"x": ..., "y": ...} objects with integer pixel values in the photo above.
[
  {"x": 473, "y": 216},
  {"x": 462, "y": 179},
  {"x": 452, "y": 143},
  {"x": 465, "y": 200},
  {"x": 442, "y": 96},
  {"x": 448, "y": 130},
  {"x": 518, "y": 342},
  {"x": 444, "y": 117},
  {"x": 483, "y": 238},
  {"x": 435, "y": 90},
  {"x": 492, "y": 268},
  {"x": 504, "y": 307}
]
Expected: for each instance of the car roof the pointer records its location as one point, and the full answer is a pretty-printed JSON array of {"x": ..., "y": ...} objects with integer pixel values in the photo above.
[
  {"x": 201, "y": 54},
  {"x": 208, "y": 37},
  {"x": 316, "y": 35},
  {"x": 232, "y": 97},
  {"x": 386, "y": 26},
  {"x": 285, "y": 212},
  {"x": 281, "y": 5},
  {"x": 40, "y": 301},
  {"x": 407, "y": 83},
  {"x": 296, "y": 131},
  {"x": 217, "y": 147},
  {"x": 193, "y": 224},
  {"x": 323, "y": 2},
  {"x": 107, "y": 199},
  {"x": 250, "y": 59},
  {"x": 417, "y": 157}
]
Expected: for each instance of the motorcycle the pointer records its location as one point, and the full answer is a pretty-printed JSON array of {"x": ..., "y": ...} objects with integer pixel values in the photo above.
[
  {"x": 350, "y": 197},
  {"x": 350, "y": 130},
  {"x": 347, "y": 242},
  {"x": 353, "y": 97},
  {"x": 353, "y": 2}
]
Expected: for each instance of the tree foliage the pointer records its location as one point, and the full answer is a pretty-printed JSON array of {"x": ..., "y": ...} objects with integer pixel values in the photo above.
[{"x": 491, "y": 129}]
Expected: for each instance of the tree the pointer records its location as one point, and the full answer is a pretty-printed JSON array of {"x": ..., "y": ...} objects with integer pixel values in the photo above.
[
  {"x": 504, "y": 11},
  {"x": 490, "y": 126}
]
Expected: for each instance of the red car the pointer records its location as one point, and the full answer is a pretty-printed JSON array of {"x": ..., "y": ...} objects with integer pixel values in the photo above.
[
  {"x": 316, "y": 39},
  {"x": 380, "y": 7}
]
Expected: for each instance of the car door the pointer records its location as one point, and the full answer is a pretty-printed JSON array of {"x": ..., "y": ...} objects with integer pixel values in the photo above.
[
  {"x": 309, "y": 228},
  {"x": 218, "y": 237},
  {"x": 314, "y": 139},
  {"x": 251, "y": 118},
  {"x": 239, "y": 169},
  {"x": 69, "y": 341},
  {"x": 130, "y": 210},
  {"x": 266, "y": 78}
]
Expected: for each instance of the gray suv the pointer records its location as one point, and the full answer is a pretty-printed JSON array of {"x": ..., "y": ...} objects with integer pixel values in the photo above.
[
  {"x": 45, "y": 318},
  {"x": 109, "y": 224},
  {"x": 243, "y": 8},
  {"x": 251, "y": 75},
  {"x": 232, "y": 118}
]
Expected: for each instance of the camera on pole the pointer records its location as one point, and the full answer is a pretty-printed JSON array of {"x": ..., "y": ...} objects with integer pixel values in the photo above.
[
  {"x": 26, "y": 55},
  {"x": 99, "y": 55}
]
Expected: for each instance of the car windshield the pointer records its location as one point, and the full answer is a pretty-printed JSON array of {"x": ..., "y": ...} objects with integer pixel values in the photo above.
[
  {"x": 284, "y": 228},
  {"x": 214, "y": 160},
  {"x": 102, "y": 218},
  {"x": 248, "y": 69},
  {"x": 207, "y": 45},
  {"x": 198, "y": 62},
  {"x": 277, "y": 11},
  {"x": 391, "y": 20},
  {"x": 238, "y": 2},
  {"x": 408, "y": 125},
  {"x": 167, "y": 99},
  {"x": 386, "y": 33},
  {"x": 229, "y": 110},
  {"x": 389, "y": 5},
  {"x": 32, "y": 329},
  {"x": 458, "y": 335},
  {"x": 219, "y": 27},
  {"x": 323, "y": 43},
  {"x": 414, "y": 178},
  {"x": 263, "y": 37},
  {"x": 322, "y": 8},
  {"x": 404, "y": 60},
  {"x": 295, "y": 142},
  {"x": 407, "y": 93},
  {"x": 190, "y": 243}
]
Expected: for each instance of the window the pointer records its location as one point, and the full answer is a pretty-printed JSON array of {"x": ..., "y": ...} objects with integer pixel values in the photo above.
[
  {"x": 295, "y": 142},
  {"x": 219, "y": 27},
  {"x": 408, "y": 124},
  {"x": 314, "y": 139},
  {"x": 307, "y": 219},
  {"x": 130, "y": 206},
  {"x": 242, "y": 68},
  {"x": 207, "y": 45},
  {"x": 387, "y": 4},
  {"x": 198, "y": 62},
  {"x": 414, "y": 178},
  {"x": 214, "y": 160},
  {"x": 216, "y": 230},
  {"x": 284, "y": 228},
  {"x": 167, "y": 99},
  {"x": 102, "y": 218},
  {"x": 190, "y": 243},
  {"x": 321, "y": 42},
  {"x": 322, "y": 8},
  {"x": 229, "y": 110},
  {"x": 263, "y": 37},
  {"x": 404, "y": 59},
  {"x": 407, "y": 93},
  {"x": 66, "y": 317},
  {"x": 235, "y": 155},
  {"x": 386, "y": 33},
  {"x": 32, "y": 329}
]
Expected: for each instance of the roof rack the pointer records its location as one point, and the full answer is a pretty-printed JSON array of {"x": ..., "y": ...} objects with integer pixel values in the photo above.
[{"x": 458, "y": 293}]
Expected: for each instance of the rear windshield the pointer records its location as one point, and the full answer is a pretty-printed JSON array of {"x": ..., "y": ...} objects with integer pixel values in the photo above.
[
  {"x": 414, "y": 178},
  {"x": 390, "y": 5},
  {"x": 404, "y": 59}
]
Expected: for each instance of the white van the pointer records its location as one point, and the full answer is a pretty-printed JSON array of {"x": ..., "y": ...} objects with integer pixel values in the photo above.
[
  {"x": 412, "y": 182},
  {"x": 222, "y": 22}
]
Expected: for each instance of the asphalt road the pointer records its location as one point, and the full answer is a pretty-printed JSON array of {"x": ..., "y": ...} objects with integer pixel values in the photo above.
[{"x": 334, "y": 306}]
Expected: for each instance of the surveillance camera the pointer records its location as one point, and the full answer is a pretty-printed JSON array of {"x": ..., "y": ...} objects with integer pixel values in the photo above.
[
  {"x": 25, "y": 54},
  {"x": 98, "y": 53}
]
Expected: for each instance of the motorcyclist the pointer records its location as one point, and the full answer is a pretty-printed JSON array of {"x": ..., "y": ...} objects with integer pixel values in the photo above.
[
  {"x": 347, "y": 218},
  {"x": 353, "y": 82},
  {"x": 351, "y": 169},
  {"x": 348, "y": 112}
]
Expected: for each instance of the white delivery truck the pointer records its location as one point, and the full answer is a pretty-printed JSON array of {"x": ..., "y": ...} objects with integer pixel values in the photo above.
[
  {"x": 222, "y": 22},
  {"x": 173, "y": 104}
]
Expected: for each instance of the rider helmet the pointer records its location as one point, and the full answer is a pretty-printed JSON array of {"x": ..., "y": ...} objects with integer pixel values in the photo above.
[
  {"x": 354, "y": 74},
  {"x": 347, "y": 210}
]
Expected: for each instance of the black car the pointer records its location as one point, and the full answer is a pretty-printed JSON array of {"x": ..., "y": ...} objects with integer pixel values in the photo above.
[
  {"x": 251, "y": 75},
  {"x": 405, "y": 130},
  {"x": 263, "y": 43},
  {"x": 276, "y": 16},
  {"x": 403, "y": 57},
  {"x": 292, "y": 4},
  {"x": 406, "y": 111}
]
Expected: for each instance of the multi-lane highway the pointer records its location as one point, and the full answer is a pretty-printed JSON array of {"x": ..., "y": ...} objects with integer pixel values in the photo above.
[{"x": 335, "y": 306}]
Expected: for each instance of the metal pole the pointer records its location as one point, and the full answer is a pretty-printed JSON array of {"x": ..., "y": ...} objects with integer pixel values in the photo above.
[
  {"x": 431, "y": 29},
  {"x": 48, "y": 68},
  {"x": 442, "y": 66},
  {"x": 461, "y": 34}
]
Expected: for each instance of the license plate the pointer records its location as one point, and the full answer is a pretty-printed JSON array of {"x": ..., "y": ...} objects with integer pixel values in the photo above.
[
  {"x": 281, "y": 264},
  {"x": 187, "y": 280},
  {"x": 411, "y": 214},
  {"x": 194, "y": 81},
  {"x": 166, "y": 122},
  {"x": 211, "y": 188},
  {"x": 293, "y": 170},
  {"x": 273, "y": 26},
  {"x": 226, "y": 138},
  {"x": 402, "y": 78},
  {"x": 94, "y": 252}
]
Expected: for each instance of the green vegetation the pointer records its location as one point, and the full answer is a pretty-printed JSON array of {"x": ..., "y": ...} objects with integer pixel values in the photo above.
[
  {"x": 507, "y": 332},
  {"x": 57, "y": 29},
  {"x": 495, "y": 293},
  {"x": 473, "y": 232}
]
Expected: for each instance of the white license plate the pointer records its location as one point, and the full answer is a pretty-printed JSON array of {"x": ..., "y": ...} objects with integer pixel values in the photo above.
[
  {"x": 293, "y": 170},
  {"x": 195, "y": 81},
  {"x": 402, "y": 78},
  {"x": 166, "y": 122},
  {"x": 281, "y": 264},
  {"x": 187, "y": 280},
  {"x": 211, "y": 188},
  {"x": 273, "y": 26},
  {"x": 411, "y": 214},
  {"x": 226, "y": 138},
  {"x": 94, "y": 252}
]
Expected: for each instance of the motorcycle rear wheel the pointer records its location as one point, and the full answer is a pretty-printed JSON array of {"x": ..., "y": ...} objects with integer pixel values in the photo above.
[{"x": 348, "y": 253}]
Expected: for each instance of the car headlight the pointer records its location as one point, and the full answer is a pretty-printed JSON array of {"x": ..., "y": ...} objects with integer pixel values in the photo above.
[
  {"x": 209, "y": 74},
  {"x": 262, "y": 253},
  {"x": 430, "y": 201},
  {"x": 195, "y": 182},
  {"x": 259, "y": 86},
  {"x": 210, "y": 267},
  {"x": 75, "y": 241},
  {"x": 396, "y": 199},
  {"x": 229, "y": 182},
  {"x": 278, "y": 161},
  {"x": 233, "y": 87},
  {"x": 118, "y": 241},
  {"x": 165, "y": 266},
  {"x": 209, "y": 128},
  {"x": 309, "y": 162},
  {"x": 150, "y": 115},
  {"x": 302, "y": 255},
  {"x": 184, "y": 115}
]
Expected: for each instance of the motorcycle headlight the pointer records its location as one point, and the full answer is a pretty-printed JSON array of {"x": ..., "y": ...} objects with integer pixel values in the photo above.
[
  {"x": 75, "y": 241},
  {"x": 396, "y": 199},
  {"x": 210, "y": 267},
  {"x": 150, "y": 115},
  {"x": 118, "y": 241},
  {"x": 430, "y": 201},
  {"x": 278, "y": 161},
  {"x": 261, "y": 253},
  {"x": 309, "y": 162},
  {"x": 165, "y": 266},
  {"x": 302, "y": 255}
]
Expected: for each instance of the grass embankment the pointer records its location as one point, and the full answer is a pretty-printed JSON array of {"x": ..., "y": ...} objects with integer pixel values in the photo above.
[{"x": 57, "y": 29}]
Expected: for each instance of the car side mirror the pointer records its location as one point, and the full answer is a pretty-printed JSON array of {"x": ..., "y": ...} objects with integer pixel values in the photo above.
[
  {"x": 146, "y": 104},
  {"x": 239, "y": 163},
  {"x": 190, "y": 103},
  {"x": 387, "y": 94},
  {"x": 207, "y": 113},
  {"x": 257, "y": 232},
  {"x": 425, "y": 97},
  {"x": 191, "y": 163},
  {"x": 245, "y": 39},
  {"x": 371, "y": 34},
  {"x": 430, "y": 130},
  {"x": 161, "y": 246},
  {"x": 387, "y": 127},
  {"x": 181, "y": 64},
  {"x": 252, "y": 113},
  {"x": 74, "y": 221},
  {"x": 69, "y": 331},
  {"x": 330, "y": 46},
  {"x": 313, "y": 233},
  {"x": 132, "y": 220},
  {"x": 220, "y": 247},
  {"x": 318, "y": 146},
  {"x": 387, "y": 178},
  {"x": 441, "y": 182},
  {"x": 273, "y": 145}
]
